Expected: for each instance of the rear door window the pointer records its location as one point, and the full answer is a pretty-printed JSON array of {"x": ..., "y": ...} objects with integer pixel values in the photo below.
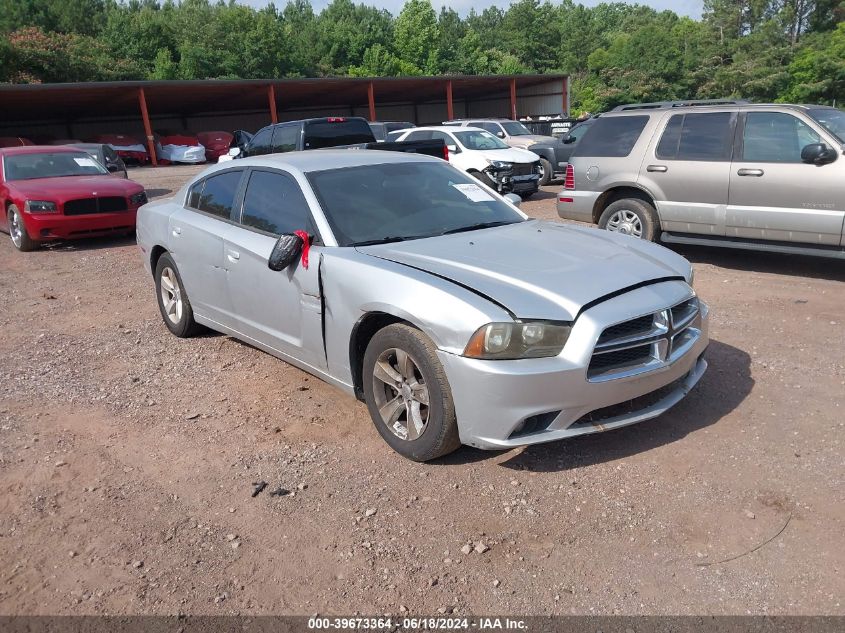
[
  {"x": 261, "y": 143},
  {"x": 285, "y": 138},
  {"x": 421, "y": 135},
  {"x": 613, "y": 136},
  {"x": 698, "y": 136},
  {"x": 218, "y": 193},
  {"x": 274, "y": 203}
]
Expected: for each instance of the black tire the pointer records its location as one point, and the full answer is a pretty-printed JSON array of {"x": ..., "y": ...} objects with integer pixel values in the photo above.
[
  {"x": 17, "y": 231},
  {"x": 183, "y": 325},
  {"x": 631, "y": 216},
  {"x": 439, "y": 435},
  {"x": 548, "y": 174},
  {"x": 485, "y": 179}
]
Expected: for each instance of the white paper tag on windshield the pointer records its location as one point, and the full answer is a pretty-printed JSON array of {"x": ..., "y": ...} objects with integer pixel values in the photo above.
[
  {"x": 85, "y": 162},
  {"x": 474, "y": 192}
]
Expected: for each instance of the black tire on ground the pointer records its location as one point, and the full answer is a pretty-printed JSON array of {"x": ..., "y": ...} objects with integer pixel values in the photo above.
[
  {"x": 632, "y": 216},
  {"x": 178, "y": 319},
  {"x": 526, "y": 194},
  {"x": 20, "y": 238},
  {"x": 485, "y": 179},
  {"x": 439, "y": 436},
  {"x": 548, "y": 174}
]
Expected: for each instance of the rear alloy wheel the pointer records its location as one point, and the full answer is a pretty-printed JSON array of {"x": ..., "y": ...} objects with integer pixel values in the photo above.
[
  {"x": 546, "y": 172},
  {"x": 17, "y": 231},
  {"x": 630, "y": 216},
  {"x": 172, "y": 300},
  {"x": 408, "y": 395}
]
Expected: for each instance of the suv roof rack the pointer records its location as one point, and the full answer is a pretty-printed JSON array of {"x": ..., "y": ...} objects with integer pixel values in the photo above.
[{"x": 660, "y": 105}]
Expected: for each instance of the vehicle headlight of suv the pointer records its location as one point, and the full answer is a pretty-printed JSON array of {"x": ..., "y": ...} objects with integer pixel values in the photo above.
[
  {"x": 500, "y": 164},
  {"x": 40, "y": 206},
  {"x": 138, "y": 198},
  {"x": 511, "y": 341}
]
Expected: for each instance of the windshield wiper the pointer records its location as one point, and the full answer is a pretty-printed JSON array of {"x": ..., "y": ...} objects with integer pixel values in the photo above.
[
  {"x": 388, "y": 240},
  {"x": 480, "y": 225}
]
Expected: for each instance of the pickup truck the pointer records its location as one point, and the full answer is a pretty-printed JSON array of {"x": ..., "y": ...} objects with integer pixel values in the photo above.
[{"x": 337, "y": 132}]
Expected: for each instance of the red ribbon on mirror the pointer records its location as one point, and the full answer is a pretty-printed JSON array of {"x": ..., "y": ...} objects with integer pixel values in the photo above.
[{"x": 306, "y": 245}]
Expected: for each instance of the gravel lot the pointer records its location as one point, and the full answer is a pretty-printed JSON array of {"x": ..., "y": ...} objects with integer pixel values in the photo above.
[{"x": 128, "y": 457}]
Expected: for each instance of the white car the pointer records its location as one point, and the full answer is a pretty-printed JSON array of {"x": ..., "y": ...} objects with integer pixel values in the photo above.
[{"x": 502, "y": 168}]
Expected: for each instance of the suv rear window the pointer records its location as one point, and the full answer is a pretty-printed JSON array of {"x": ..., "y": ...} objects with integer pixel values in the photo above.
[
  {"x": 332, "y": 133},
  {"x": 700, "y": 136},
  {"x": 613, "y": 136}
]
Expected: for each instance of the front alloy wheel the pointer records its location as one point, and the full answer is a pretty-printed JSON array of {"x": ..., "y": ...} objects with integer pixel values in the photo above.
[
  {"x": 400, "y": 394},
  {"x": 408, "y": 394},
  {"x": 17, "y": 231}
]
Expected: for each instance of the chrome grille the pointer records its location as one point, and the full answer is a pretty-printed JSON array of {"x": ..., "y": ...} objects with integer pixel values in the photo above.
[{"x": 645, "y": 342}]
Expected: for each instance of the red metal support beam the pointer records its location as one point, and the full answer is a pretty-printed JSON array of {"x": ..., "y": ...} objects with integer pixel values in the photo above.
[
  {"x": 371, "y": 99},
  {"x": 271, "y": 99},
  {"x": 148, "y": 130},
  {"x": 513, "y": 99},
  {"x": 450, "y": 109}
]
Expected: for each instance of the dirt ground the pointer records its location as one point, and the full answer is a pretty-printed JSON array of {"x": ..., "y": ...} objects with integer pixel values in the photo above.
[{"x": 128, "y": 457}]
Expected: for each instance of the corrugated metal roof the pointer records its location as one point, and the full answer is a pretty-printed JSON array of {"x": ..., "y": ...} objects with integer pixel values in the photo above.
[{"x": 71, "y": 101}]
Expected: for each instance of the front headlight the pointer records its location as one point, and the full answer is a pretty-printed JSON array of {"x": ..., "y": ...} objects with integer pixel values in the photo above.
[
  {"x": 138, "y": 198},
  {"x": 40, "y": 206},
  {"x": 499, "y": 164},
  {"x": 510, "y": 341}
]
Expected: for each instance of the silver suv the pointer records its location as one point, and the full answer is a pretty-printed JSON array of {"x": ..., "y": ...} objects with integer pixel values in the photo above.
[{"x": 764, "y": 177}]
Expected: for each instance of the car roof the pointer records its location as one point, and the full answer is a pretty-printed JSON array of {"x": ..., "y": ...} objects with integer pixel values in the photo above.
[
  {"x": 704, "y": 107},
  {"x": 85, "y": 145},
  {"x": 37, "y": 149},
  {"x": 442, "y": 128},
  {"x": 322, "y": 159}
]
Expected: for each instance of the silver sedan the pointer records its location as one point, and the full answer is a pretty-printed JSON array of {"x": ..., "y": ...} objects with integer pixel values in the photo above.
[{"x": 408, "y": 284}]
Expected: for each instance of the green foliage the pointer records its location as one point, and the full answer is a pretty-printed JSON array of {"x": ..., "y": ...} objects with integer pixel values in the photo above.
[{"x": 616, "y": 52}]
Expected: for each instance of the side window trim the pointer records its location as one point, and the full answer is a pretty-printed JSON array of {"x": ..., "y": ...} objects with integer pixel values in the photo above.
[
  {"x": 241, "y": 199},
  {"x": 237, "y": 201}
]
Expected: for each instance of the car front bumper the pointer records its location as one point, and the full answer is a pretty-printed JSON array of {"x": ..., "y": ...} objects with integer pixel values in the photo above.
[
  {"x": 53, "y": 226},
  {"x": 495, "y": 401}
]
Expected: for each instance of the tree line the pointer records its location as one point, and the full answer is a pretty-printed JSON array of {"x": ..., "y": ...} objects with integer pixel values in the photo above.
[{"x": 764, "y": 50}]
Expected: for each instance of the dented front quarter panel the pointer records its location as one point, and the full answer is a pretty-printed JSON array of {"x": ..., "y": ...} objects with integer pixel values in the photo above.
[{"x": 355, "y": 285}]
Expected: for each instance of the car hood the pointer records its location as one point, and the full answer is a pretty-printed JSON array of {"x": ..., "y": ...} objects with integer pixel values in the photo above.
[
  {"x": 510, "y": 155},
  {"x": 530, "y": 139},
  {"x": 536, "y": 269},
  {"x": 72, "y": 187}
]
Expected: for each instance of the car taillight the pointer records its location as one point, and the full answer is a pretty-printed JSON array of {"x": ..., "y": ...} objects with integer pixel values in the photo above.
[
  {"x": 336, "y": 119},
  {"x": 446, "y": 153},
  {"x": 569, "y": 182}
]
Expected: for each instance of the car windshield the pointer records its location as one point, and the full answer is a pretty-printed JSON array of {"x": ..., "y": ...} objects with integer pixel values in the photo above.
[
  {"x": 475, "y": 139},
  {"x": 392, "y": 202},
  {"x": 51, "y": 165},
  {"x": 515, "y": 128},
  {"x": 833, "y": 120}
]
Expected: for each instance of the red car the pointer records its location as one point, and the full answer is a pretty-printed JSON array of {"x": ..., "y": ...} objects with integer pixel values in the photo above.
[
  {"x": 216, "y": 144},
  {"x": 51, "y": 193}
]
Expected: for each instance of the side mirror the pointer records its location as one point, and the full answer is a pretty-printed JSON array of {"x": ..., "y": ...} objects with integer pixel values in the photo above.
[
  {"x": 818, "y": 154},
  {"x": 514, "y": 199},
  {"x": 287, "y": 249},
  {"x": 500, "y": 134},
  {"x": 453, "y": 149},
  {"x": 113, "y": 167},
  {"x": 570, "y": 139},
  {"x": 234, "y": 152}
]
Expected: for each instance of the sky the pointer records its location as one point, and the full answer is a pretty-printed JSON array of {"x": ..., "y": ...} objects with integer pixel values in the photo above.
[{"x": 691, "y": 8}]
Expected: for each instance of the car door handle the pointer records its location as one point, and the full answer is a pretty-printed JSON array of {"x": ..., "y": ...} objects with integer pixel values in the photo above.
[
  {"x": 177, "y": 231},
  {"x": 233, "y": 255},
  {"x": 658, "y": 168},
  {"x": 750, "y": 172}
]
